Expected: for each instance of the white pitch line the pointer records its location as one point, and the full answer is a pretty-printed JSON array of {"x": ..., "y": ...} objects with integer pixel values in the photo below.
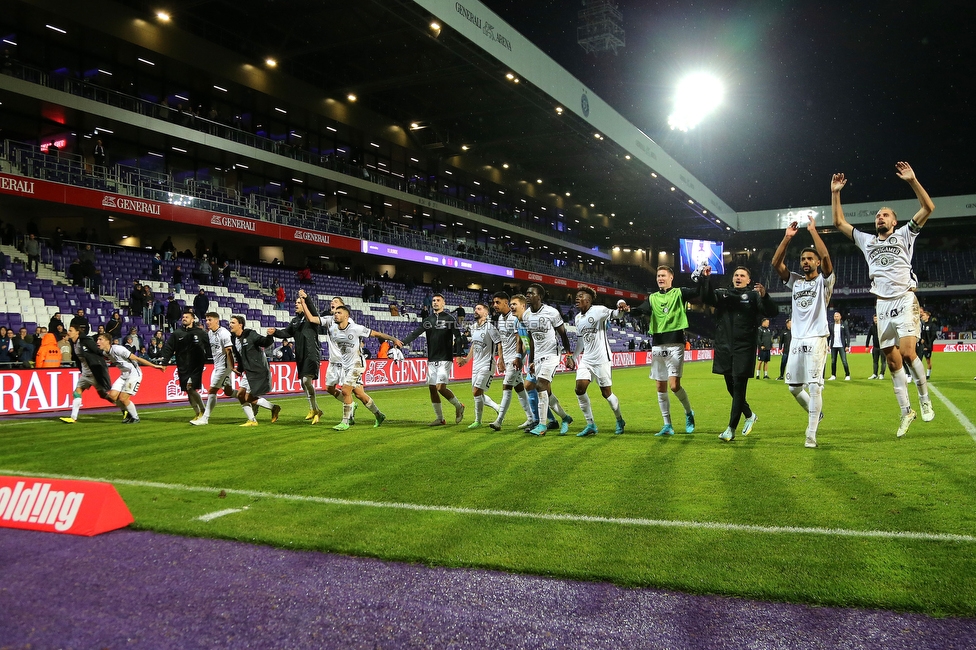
[
  {"x": 963, "y": 420},
  {"x": 220, "y": 513},
  {"x": 540, "y": 516}
]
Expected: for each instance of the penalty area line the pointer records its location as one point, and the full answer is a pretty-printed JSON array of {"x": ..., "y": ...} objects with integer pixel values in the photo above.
[
  {"x": 963, "y": 420},
  {"x": 537, "y": 516}
]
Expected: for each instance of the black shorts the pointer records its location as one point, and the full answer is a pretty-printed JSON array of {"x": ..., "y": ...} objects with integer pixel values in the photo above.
[
  {"x": 763, "y": 355},
  {"x": 193, "y": 377}
]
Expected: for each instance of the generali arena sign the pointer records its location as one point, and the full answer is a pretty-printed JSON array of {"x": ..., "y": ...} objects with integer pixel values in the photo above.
[
  {"x": 111, "y": 202},
  {"x": 50, "y": 391}
]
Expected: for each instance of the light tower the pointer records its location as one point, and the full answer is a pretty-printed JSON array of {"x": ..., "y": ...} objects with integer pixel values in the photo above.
[{"x": 601, "y": 26}]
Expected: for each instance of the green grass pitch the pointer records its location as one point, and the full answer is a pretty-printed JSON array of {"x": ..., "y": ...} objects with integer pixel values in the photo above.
[{"x": 615, "y": 508}]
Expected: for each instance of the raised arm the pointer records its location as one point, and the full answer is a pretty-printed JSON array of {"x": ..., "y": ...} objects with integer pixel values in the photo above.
[
  {"x": 826, "y": 266},
  {"x": 905, "y": 172},
  {"x": 837, "y": 183},
  {"x": 779, "y": 257}
]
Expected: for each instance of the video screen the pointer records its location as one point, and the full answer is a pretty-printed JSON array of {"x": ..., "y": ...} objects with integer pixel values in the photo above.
[{"x": 693, "y": 253}]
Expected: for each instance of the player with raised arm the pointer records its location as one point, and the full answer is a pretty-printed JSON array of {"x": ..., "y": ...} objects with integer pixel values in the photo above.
[
  {"x": 506, "y": 323},
  {"x": 546, "y": 328},
  {"x": 304, "y": 328},
  {"x": 889, "y": 256},
  {"x": 667, "y": 323},
  {"x": 188, "y": 343},
  {"x": 222, "y": 351},
  {"x": 811, "y": 293},
  {"x": 94, "y": 373},
  {"x": 347, "y": 337},
  {"x": 443, "y": 343},
  {"x": 252, "y": 364},
  {"x": 484, "y": 340},
  {"x": 127, "y": 385},
  {"x": 594, "y": 357}
]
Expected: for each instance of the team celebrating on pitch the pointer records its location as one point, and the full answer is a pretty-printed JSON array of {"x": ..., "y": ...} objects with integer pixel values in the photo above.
[{"x": 525, "y": 341}]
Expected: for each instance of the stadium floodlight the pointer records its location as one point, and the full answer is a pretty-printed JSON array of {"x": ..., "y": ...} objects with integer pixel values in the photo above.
[{"x": 697, "y": 95}]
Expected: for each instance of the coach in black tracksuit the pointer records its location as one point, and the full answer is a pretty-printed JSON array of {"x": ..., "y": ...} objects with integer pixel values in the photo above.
[
  {"x": 190, "y": 344},
  {"x": 738, "y": 311}
]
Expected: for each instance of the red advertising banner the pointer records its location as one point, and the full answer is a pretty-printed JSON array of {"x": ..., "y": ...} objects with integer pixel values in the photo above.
[
  {"x": 573, "y": 285},
  {"x": 50, "y": 391},
  {"x": 72, "y": 507}
]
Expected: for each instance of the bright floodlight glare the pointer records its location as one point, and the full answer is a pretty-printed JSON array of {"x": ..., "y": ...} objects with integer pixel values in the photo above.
[{"x": 697, "y": 96}]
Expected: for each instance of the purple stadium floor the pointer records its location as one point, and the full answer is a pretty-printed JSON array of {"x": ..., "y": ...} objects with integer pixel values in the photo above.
[{"x": 136, "y": 589}]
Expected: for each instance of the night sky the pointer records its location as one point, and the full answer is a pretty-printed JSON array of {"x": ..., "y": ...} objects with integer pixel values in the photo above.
[{"x": 811, "y": 89}]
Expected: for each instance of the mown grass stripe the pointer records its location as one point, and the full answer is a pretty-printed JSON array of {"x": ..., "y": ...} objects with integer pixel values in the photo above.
[
  {"x": 963, "y": 420},
  {"x": 538, "y": 516}
]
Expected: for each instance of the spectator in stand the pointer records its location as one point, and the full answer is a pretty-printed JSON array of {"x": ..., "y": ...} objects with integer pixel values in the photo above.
[
  {"x": 157, "y": 267},
  {"x": 65, "y": 346},
  {"x": 100, "y": 158},
  {"x": 305, "y": 275},
  {"x": 174, "y": 312},
  {"x": 134, "y": 336},
  {"x": 201, "y": 304},
  {"x": 136, "y": 299},
  {"x": 96, "y": 282},
  {"x": 87, "y": 255},
  {"x": 57, "y": 241},
  {"x": 148, "y": 300},
  {"x": 32, "y": 247},
  {"x": 113, "y": 326},
  {"x": 155, "y": 349},
  {"x": 367, "y": 293},
  {"x": 80, "y": 322},
  {"x": 168, "y": 249},
  {"x": 225, "y": 274},
  {"x": 76, "y": 273},
  {"x": 8, "y": 346},
  {"x": 177, "y": 282},
  {"x": 286, "y": 352},
  {"x": 52, "y": 326},
  {"x": 132, "y": 344},
  {"x": 280, "y": 297},
  {"x": 26, "y": 347},
  {"x": 203, "y": 269},
  {"x": 377, "y": 293}
]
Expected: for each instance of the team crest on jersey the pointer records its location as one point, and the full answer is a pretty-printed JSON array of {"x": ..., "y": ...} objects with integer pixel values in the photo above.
[{"x": 744, "y": 297}]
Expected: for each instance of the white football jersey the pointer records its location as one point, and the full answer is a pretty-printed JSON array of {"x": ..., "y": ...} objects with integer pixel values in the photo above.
[
  {"x": 122, "y": 358},
  {"x": 484, "y": 340},
  {"x": 890, "y": 260},
  {"x": 591, "y": 333},
  {"x": 810, "y": 300},
  {"x": 346, "y": 342},
  {"x": 507, "y": 328},
  {"x": 541, "y": 326},
  {"x": 219, "y": 341}
]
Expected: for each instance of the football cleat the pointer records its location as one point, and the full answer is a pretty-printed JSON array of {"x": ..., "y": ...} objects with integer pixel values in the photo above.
[
  {"x": 690, "y": 422},
  {"x": 380, "y": 418},
  {"x": 906, "y": 421},
  {"x": 133, "y": 421},
  {"x": 437, "y": 423},
  {"x": 250, "y": 423},
  {"x": 200, "y": 421},
  {"x": 458, "y": 414},
  {"x": 666, "y": 430},
  {"x": 495, "y": 426},
  {"x": 474, "y": 425},
  {"x": 316, "y": 416},
  {"x": 311, "y": 414},
  {"x": 275, "y": 411},
  {"x": 588, "y": 430},
  {"x": 67, "y": 420},
  {"x": 810, "y": 443},
  {"x": 342, "y": 426},
  {"x": 928, "y": 413},
  {"x": 727, "y": 436},
  {"x": 564, "y": 427},
  {"x": 749, "y": 423},
  {"x": 620, "y": 427},
  {"x": 525, "y": 426},
  {"x": 538, "y": 430}
]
